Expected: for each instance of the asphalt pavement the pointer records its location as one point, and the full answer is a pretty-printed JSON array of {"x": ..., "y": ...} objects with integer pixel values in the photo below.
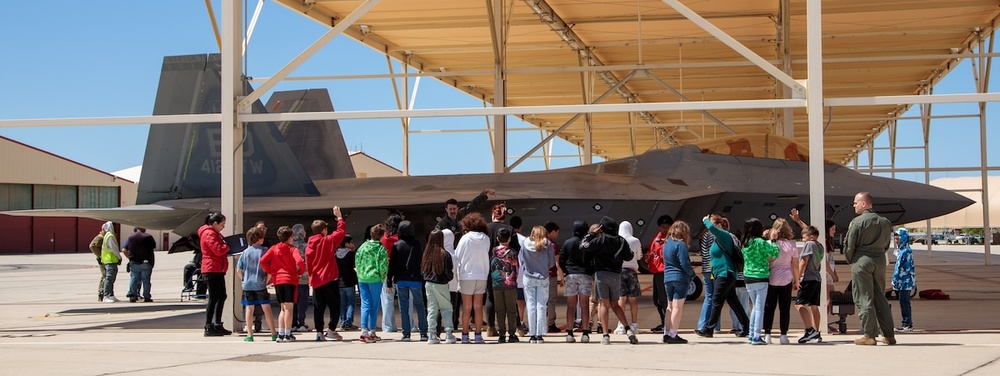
[{"x": 51, "y": 323}]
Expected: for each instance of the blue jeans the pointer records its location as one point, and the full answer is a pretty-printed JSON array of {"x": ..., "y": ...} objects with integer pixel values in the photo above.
[
  {"x": 408, "y": 293},
  {"x": 300, "y": 307},
  {"x": 758, "y": 293},
  {"x": 744, "y": 297},
  {"x": 536, "y": 297},
  {"x": 370, "y": 293},
  {"x": 388, "y": 311},
  {"x": 347, "y": 299},
  {"x": 109, "y": 279},
  {"x": 139, "y": 274},
  {"x": 706, "y": 305},
  {"x": 904, "y": 307}
]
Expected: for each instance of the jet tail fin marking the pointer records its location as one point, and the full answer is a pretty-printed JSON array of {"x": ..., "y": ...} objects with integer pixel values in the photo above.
[{"x": 184, "y": 161}]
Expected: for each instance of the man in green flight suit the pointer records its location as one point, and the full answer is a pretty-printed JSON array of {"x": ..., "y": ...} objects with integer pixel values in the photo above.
[{"x": 868, "y": 238}]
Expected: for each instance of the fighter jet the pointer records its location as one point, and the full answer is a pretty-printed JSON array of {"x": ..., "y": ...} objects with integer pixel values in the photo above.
[{"x": 295, "y": 172}]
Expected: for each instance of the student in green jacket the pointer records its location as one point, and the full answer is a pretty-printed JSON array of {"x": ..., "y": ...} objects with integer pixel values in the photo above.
[
  {"x": 372, "y": 265},
  {"x": 757, "y": 254}
]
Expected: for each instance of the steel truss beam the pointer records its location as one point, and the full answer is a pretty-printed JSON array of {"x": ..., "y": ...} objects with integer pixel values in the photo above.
[
  {"x": 112, "y": 120},
  {"x": 525, "y": 110},
  {"x": 817, "y": 182},
  {"x": 307, "y": 53},
  {"x": 549, "y": 16},
  {"x": 628, "y": 67},
  {"x": 747, "y": 53}
]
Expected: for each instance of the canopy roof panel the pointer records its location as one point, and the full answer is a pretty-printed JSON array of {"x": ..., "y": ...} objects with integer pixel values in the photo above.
[{"x": 871, "y": 48}]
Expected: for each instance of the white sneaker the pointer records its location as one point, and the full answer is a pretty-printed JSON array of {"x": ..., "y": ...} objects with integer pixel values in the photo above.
[
  {"x": 635, "y": 328},
  {"x": 450, "y": 339},
  {"x": 620, "y": 329},
  {"x": 767, "y": 338},
  {"x": 333, "y": 335},
  {"x": 433, "y": 340},
  {"x": 783, "y": 340},
  {"x": 606, "y": 340},
  {"x": 110, "y": 299},
  {"x": 570, "y": 338}
]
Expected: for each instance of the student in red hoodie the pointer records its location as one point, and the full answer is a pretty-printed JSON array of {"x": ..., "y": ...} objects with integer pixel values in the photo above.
[
  {"x": 284, "y": 264},
  {"x": 213, "y": 268},
  {"x": 321, "y": 251}
]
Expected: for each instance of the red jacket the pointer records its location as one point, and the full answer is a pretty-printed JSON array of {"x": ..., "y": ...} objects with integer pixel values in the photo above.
[
  {"x": 654, "y": 259},
  {"x": 283, "y": 263},
  {"x": 213, "y": 250},
  {"x": 321, "y": 256},
  {"x": 387, "y": 242}
]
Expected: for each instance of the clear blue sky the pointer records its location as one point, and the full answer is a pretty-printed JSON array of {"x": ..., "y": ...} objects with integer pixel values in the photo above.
[{"x": 102, "y": 58}]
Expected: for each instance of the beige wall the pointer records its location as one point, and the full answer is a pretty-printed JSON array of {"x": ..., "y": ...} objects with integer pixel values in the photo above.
[
  {"x": 367, "y": 167},
  {"x": 33, "y": 166}
]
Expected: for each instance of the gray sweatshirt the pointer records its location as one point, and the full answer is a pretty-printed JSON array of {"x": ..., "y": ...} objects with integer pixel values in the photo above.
[{"x": 536, "y": 264}]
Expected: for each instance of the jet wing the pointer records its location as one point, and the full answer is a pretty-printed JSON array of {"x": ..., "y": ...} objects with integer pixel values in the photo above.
[
  {"x": 155, "y": 217},
  {"x": 388, "y": 192}
]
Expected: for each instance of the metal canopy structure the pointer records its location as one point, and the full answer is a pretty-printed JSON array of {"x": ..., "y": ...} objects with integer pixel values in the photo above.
[
  {"x": 619, "y": 77},
  {"x": 568, "y": 52}
]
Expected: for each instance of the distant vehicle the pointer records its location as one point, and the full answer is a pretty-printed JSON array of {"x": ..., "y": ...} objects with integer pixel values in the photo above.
[
  {"x": 968, "y": 239},
  {"x": 922, "y": 239}
]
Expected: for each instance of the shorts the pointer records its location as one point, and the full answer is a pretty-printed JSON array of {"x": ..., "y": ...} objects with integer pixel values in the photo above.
[
  {"x": 676, "y": 290},
  {"x": 808, "y": 293},
  {"x": 629, "y": 283},
  {"x": 472, "y": 286},
  {"x": 285, "y": 293},
  {"x": 256, "y": 297},
  {"x": 608, "y": 285},
  {"x": 578, "y": 284}
]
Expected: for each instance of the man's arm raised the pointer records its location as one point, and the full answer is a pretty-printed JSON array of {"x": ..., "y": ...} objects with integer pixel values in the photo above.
[{"x": 476, "y": 202}]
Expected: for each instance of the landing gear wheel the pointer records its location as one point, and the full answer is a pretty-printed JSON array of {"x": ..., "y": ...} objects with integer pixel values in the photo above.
[{"x": 695, "y": 288}]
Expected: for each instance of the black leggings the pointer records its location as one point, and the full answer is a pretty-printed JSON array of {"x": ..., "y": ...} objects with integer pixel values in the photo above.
[
  {"x": 216, "y": 297},
  {"x": 488, "y": 307},
  {"x": 780, "y": 296},
  {"x": 659, "y": 295},
  {"x": 725, "y": 292},
  {"x": 327, "y": 296},
  {"x": 456, "y": 304}
]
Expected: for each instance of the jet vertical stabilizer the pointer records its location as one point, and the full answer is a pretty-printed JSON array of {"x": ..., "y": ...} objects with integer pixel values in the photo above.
[
  {"x": 185, "y": 160},
  {"x": 319, "y": 144}
]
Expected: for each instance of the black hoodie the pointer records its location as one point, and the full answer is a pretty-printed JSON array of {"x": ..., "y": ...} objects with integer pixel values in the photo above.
[
  {"x": 444, "y": 277},
  {"x": 572, "y": 259},
  {"x": 608, "y": 248},
  {"x": 406, "y": 256}
]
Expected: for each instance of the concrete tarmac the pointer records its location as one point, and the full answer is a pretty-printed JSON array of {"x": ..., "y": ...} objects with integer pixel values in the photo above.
[{"x": 51, "y": 323}]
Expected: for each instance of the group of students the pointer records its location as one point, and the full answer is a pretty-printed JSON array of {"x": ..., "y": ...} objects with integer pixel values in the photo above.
[
  {"x": 768, "y": 266},
  {"x": 281, "y": 265},
  {"x": 491, "y": 264}
]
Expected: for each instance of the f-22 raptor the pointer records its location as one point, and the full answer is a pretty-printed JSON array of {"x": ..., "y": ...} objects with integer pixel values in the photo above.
[{"x": 295, "y": 172}]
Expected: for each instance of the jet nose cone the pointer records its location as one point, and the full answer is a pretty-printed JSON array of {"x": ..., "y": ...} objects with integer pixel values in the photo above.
[{"x": 918, "y": 201}]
